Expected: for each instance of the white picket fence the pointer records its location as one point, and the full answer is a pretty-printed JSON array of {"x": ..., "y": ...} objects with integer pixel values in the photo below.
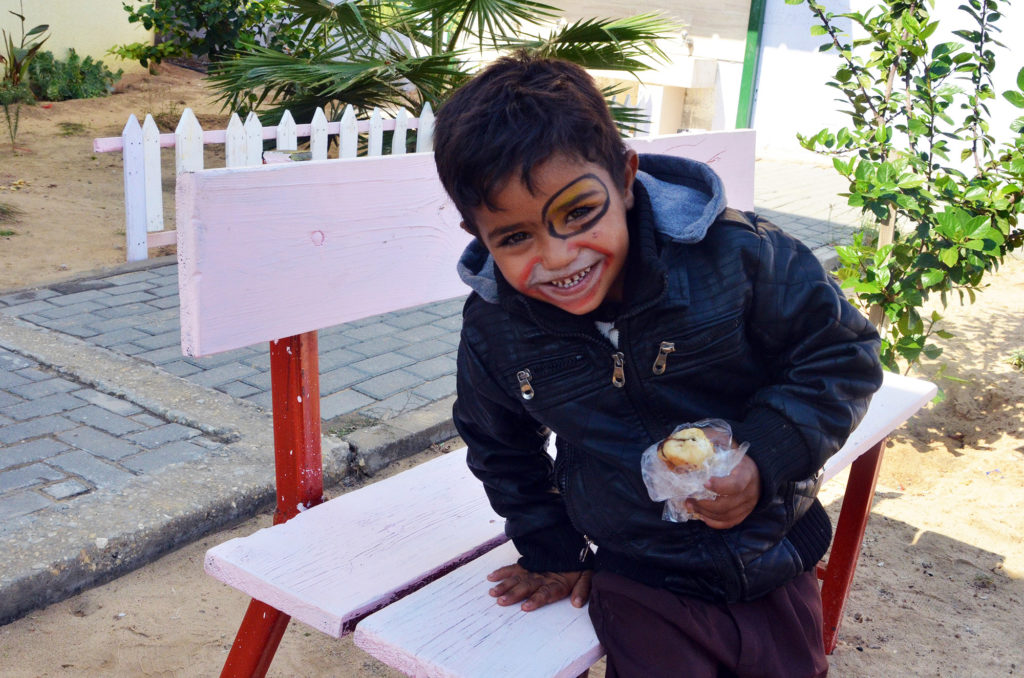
[
  {"x": 243, "y": 146},
  {"x": 141, "y": 145}
]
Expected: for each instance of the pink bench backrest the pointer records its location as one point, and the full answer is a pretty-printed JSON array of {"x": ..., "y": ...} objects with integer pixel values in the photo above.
[{"x": 274, "y": 251}]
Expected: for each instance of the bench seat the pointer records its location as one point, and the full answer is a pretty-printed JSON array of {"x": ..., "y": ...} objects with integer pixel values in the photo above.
[{"x": 335, "y": 563}]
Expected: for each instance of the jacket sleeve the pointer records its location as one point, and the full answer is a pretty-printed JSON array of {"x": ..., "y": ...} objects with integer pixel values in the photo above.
[
  {"x": 507, "y": 452},
  {"x": 822, "y": 358}
]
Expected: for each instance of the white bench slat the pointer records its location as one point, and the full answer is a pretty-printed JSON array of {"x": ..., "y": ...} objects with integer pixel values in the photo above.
[
  {"x": 898, "y": 399},
  {"x": 453, "y": 628},
  {"x": 338, "y": 561}
]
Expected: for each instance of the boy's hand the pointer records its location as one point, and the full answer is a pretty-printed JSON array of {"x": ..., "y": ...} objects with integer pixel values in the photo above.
[
  {"x": 538, "y": 588},
  {"x": 737, "y": 492}
]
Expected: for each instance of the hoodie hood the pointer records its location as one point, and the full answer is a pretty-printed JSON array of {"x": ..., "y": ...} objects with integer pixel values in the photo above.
[{"x": 686, "y": 197}]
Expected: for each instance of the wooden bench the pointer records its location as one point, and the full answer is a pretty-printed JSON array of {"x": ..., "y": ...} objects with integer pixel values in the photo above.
[{"x": 273, "y": 254}]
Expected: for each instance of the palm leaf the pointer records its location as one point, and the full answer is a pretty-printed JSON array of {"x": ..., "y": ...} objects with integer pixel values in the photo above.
[{"x": 606, "y": 44}]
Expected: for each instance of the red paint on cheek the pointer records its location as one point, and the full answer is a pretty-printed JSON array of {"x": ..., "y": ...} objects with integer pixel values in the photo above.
[
  {"x": 524, "y": 275},
  {"x": 608, "y": 254}
]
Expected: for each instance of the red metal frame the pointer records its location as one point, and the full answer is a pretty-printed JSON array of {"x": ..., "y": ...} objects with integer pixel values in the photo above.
[
  {"x": 853, "y": 521},
  {"x": 295, "y": 393}
]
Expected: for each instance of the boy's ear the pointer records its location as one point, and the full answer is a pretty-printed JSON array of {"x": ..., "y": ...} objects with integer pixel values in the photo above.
[
  {"x": 632, "y": 164},
  {"x": 469, "y": 229}
]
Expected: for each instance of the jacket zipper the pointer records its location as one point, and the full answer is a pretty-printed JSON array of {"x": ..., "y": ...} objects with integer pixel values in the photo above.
[
  {"x": 660, "y": 362},
  {"x": 525, "y": 387},
  {"x": 618, "y": 369},
  {"x": 586, "y": 548}
]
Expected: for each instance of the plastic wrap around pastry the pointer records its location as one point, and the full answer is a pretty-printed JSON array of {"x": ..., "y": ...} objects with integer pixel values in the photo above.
[{"x": 685, "y": 450}]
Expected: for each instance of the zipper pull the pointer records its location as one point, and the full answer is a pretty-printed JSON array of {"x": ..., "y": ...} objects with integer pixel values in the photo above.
[
  {"x": 586, "y": 549},
  {"x": 618, "y": 371},
  {"x": 659, "y": 362},
  {"x": 525, "y": 388}
]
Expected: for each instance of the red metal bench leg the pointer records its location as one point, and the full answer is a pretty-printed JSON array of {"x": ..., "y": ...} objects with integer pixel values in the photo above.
[
  {"x": 853, "y": 521},
  {"x": 295, "y": 392},
  {"x": 256, "y": 642}
]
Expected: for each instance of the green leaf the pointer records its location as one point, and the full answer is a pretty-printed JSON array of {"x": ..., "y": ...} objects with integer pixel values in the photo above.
[
  {"x": 949, "y": 256},
  {"x": 1020, "y": 79},
  {"x": 932, "y": 277},
  {"x": 818, "y": 29},
  {"x": 1014, "y": 97}
]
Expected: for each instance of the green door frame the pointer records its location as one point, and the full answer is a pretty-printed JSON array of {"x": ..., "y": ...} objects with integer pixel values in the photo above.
[{"x": 751, "y": 64}]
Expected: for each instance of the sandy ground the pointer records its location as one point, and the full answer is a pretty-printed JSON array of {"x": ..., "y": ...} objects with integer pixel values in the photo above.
[
  {"x": 939, "y": 588},
  {"x": 70, "y": 200}
]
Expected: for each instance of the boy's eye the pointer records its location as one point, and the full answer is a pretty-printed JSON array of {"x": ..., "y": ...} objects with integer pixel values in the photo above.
[
  {"x": 578, "y": 213},
  {"x": 513, "y": 239},
  {"x": 576, "y": 207}
]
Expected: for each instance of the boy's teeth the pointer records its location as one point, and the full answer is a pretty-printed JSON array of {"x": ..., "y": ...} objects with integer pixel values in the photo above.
[{"x": 569, "y": 282}]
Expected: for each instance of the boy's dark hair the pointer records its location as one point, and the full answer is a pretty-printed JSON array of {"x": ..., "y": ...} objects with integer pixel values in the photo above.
[{"x": 512, "y": 116}]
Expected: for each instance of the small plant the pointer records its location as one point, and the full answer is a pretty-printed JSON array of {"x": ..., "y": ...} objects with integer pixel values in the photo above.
[
  {"x": 72, "y": 129},
  {"x": 11, "y": 99},
  {"x": 9, "y": 214},
  {"x": 73, "y": 78},
  {"x": 943, "y": 197},
  {"x": 1016, "y": 359},
  {"x": 16, "y": 60}
]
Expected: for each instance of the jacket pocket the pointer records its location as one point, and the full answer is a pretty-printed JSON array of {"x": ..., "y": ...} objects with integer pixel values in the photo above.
[
  {"x": 684, "y": 348},
  {"x": 540, "y": 383}
]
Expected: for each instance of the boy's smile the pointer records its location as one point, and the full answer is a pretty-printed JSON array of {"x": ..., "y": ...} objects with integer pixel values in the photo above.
[{"x": 564, "y": 243}]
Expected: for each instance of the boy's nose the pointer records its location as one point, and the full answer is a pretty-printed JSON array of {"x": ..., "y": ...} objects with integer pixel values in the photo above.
[{"x": 557, "y": 253}]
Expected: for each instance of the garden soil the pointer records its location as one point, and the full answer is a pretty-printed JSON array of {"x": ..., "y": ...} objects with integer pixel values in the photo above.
[{"x": 939, "y": 590}]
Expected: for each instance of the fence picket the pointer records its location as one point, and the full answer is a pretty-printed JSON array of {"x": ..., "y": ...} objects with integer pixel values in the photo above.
[
  {"x": 134, "y": 190},
  {"x": 253, "y": 140},
  {"x": 401, "y": 127},
  {"x": 375, "y": 146},
  {"x": 151, "y": 164},
  {"x": 318, "y": 135},
  {"x": 234, "y": 143},
  {"x": 188, "y": 143},
  {"x": 348, "y": 144},
  {"x": 425, "y": 131},
  {"x": 286, "y": 137}
]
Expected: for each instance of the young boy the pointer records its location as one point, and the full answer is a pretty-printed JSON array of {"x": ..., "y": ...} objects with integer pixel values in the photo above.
[{"x": 615, "y": 297}]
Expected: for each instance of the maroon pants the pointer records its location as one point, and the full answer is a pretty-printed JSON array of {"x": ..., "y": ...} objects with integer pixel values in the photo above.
[{"x": 652, "y": 633}]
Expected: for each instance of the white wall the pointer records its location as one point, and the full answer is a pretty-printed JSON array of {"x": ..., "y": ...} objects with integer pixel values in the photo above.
[
  {"x": 91, "y": 27},
  {"x": 792, "y": 96}
]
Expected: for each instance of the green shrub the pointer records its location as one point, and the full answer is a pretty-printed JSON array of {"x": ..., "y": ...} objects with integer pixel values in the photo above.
[
  {"x": 75, "y": 78},
  {"x": 205, "y": 28}
]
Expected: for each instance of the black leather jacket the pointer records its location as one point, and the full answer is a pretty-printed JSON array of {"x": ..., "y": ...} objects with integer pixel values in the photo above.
[{"x": 761, "y": 338}]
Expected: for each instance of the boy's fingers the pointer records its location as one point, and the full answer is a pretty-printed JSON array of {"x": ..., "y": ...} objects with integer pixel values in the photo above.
[
  {"x": 504, "y": 572},
  {"x": 581, "y": 590},
  {"x": 548, "y": 592}
]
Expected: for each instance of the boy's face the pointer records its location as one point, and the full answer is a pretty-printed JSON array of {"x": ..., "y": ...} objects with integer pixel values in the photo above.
[{"x": 566, "y": 242}]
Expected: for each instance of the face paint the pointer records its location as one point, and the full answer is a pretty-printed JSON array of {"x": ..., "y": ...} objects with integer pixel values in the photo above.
[
  {"x": 577, "y": 207},
  {"x": 530, "y": 234}
]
